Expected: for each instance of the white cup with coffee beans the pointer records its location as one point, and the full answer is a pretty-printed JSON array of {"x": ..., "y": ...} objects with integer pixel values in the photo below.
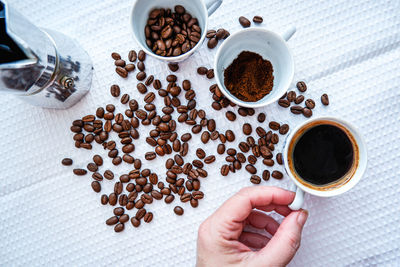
[
  {"x": 171, "y": 30},
  {"x": 324, "y": 157}
]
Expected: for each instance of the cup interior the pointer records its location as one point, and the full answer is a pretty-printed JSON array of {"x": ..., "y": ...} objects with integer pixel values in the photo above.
[
  {"x": 142, "y": 9},
  {"x": 344, "y": 184},
  {"x": 270, "y": 46}
]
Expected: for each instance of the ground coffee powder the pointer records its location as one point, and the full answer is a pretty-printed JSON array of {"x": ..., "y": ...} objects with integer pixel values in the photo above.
[{"x": 249, "y": 77}]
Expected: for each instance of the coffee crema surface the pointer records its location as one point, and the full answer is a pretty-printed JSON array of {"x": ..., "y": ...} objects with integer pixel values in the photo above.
[{"x": 323, "y": 154}]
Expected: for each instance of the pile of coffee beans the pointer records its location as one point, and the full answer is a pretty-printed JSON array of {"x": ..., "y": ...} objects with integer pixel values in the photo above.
[
  {"x": 170, "y": 34},
  {"x": 245, "y": 22},
  {"x": 214, "y": 37},
  {"x": 290, "y": 97}
]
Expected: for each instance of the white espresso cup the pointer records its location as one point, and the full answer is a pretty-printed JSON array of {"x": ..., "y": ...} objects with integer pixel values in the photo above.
[
  {"x": 197, "y": 8},
  {"x": 343, "y": 184},
  {"x": 270, "y": 46}
]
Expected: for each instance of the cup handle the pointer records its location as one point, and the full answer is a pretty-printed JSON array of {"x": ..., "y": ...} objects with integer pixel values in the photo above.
[
  {"x": 298, "y": 199},
  {"x": 289, "y": 33},
  {"x": 212, "y": 5}
]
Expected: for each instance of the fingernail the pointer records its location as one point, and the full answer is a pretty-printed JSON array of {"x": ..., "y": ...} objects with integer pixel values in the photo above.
[{"x": 302, "y": 217}]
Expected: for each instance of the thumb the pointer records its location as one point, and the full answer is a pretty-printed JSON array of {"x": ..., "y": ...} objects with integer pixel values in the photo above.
[{"x": 286, "y": 241}]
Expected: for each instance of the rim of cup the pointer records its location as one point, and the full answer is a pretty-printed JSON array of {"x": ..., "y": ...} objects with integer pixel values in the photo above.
[
  {"x": 177, "y": 58},
  {"x": 362, "y": 165},
  {"x": 221, "y": 79}
]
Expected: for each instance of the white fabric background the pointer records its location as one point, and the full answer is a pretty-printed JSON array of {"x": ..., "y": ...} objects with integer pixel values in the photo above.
[{"x": 349, "y": 49}]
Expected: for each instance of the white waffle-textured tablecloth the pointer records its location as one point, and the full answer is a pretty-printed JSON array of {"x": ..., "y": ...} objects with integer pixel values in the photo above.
[{"x": 349, "y": 49}]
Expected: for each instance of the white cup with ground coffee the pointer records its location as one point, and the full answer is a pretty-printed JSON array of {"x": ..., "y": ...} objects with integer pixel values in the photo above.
[
  {"x": 254, "y": 67},
  {"x": 160, "y": 27},
  {"x": 324, "y": 157}
]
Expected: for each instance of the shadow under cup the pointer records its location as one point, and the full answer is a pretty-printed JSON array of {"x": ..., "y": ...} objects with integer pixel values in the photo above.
[{"x": 336, "y": 183}]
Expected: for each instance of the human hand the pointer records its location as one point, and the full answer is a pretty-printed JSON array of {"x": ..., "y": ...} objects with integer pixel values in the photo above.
[{"x": 221, "y": 240}]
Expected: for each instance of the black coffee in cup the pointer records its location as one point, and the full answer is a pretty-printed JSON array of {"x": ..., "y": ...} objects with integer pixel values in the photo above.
[{"x": 323, "y": 154}]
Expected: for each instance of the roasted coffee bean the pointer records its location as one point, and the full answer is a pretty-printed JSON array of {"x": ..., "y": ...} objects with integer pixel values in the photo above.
[
  {"x": 231, "y": 152},
  {"x": 121, "y": 72},
  {"x": 185, "y": 197},
  {"x": 210, "y": 74},
  {"x": 251, "y": 169},
  {"x": 88, "y": 118},
  {"x": 132, "y": 56},
  {"x": 275, "y": 139},
  {"x": 279, "y": 158},
  {"x": 307, "y": 112},
  {"x": 120, "y": 62},
  {"x": 97, "y": 176},
  {"x": 118, "y": 187},
  {"x": 173, "y": 66},
  {"x": 118, "y": 211},
  {"x": 277, "y": 175},
  {"x": 310, "y": 103},
  {"x": 117, "y": 160},
  {"x": 296, "y": 109},
  {"x": 130, "y": 67},
  {"x": 67, "y": 162},
  {"x": 230, "y": 115},
  {"x": 141, "y": 55},
  {"x": 149, "y": 80},
  {"x": 100, "y": 112},
  {"x": 140, "y": 76},
  {"x": 119, "y": 227},
  {"x": 148, "y": 217},
  {"x": 79, "y": 172},
  {"x": 241, "y": 157},
  {"x": 135, "y": 222},
  {"x": 261, "y": 117},
  {"x": 109, "y": 175},
  {"x": 257, "y": 19},
  {"x": 96, "y": 186},
  {"x": 200, "y": 153},
  {"x": 244, "y": 22},
  {"x": 299, "y": 99},
  {"x": 209, "y": 159},
  {"x": 104, "y": 199},
  {"x": 230, "y": 159},
  {"x": 216, "y": 106},
  {"x": 124, "y": 218},
  {"x": 169, "y": 198},
  {"x": 291, "y": 96},
  {"x": 140, "y": 213},
  {"x": 115, "y": 56},
  {"x": 261, "y": 132},
  {"x": 325, "y": 99},
  {"x": 142, "y": 89},
  {"x": 255, "y": 179},
  {"x": 112, "y": 199},
  {"x": 221, "y": 149},
  {"x": 210, "y": 33},
  {"x": 112, "y": 220},
  {"x": 202, "y": 70},
  {"x": 186, "y": 137},
  {"x": 150, "y": 155},
  {"x": 274, "y": 125},
  {"x": 205, "y": 137},
  {"x": 244, "y": 147},
  {"x": 194, "y": 203},
  {"x": 268, "y": 162},
  {"x": 124, "y": 99},
  {"x": 284, "y": 103},
  {"x": 212, "y": 43},
  {"x": 178, "y": 210},
  {"x": 301, "y": 86},
  {"x": 230, "y": 136},
  {"x": 284, "y": 129},
  {"x": 115, "y": 90},
  {"x": 140, "y": 65},
  {"x": 224, "y": 170},
  {"x": 266, "y": 175},
  {"x": 247, "y": 129}
]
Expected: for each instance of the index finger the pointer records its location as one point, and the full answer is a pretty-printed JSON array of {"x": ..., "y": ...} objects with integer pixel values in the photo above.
[{"x": 238, "y": 207}]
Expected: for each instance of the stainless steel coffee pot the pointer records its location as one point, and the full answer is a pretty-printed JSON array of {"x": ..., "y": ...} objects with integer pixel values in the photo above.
[{"x": 41, "y": 66}]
